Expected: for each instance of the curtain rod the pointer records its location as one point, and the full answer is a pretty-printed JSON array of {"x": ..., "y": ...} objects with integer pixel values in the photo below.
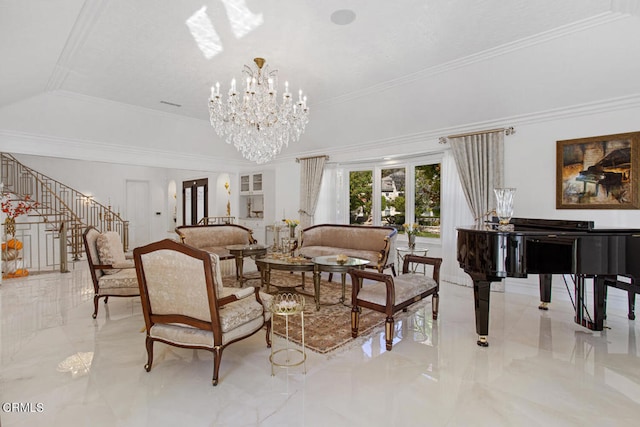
[
  {"x": 311, "y": 157},
  {"x": 507, "y": 131}
]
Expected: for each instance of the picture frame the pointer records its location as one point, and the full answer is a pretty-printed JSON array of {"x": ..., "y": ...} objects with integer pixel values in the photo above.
[{"x": 599, "y": 172}]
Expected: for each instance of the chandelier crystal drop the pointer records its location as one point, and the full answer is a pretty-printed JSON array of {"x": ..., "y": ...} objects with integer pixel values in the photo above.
[{"x": 253, "y": 120}]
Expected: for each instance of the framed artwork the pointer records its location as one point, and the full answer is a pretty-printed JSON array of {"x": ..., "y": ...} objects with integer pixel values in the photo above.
[{"x": 599, "y": 172}]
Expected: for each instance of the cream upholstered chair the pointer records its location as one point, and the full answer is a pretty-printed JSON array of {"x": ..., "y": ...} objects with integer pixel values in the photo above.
[
  {"x": 388, "y": 294},
  {"x": 185, "y": 304},
  {"x": 112, "y": 274}
]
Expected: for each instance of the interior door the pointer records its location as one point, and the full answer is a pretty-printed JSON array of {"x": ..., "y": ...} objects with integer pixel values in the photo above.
[
  {"x": 195, "y": 196},
  {"x": 138, "y": 213}
]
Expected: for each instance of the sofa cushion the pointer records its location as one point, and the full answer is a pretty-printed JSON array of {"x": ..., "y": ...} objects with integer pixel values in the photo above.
[
  {"x": 125, "y": 278},
  {"x": 406, "y": 286},
  {"x": 110, "y": 251}
]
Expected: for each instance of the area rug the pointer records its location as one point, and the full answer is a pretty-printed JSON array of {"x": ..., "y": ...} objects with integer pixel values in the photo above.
[{"x": 328, "y": 329}]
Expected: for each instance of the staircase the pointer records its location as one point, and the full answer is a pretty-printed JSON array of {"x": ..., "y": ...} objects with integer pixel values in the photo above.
[{"x": 64, "y": 212}]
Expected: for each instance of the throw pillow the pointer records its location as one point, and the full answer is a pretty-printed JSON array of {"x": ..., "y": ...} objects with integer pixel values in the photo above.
[{"x": 110, "y": 250}]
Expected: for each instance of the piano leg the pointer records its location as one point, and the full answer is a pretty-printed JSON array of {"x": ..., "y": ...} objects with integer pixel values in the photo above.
[
  {"x": 599, "y": 302},
  {"x": 481, "y": 292},
  {"x": 579, "y": 293},
  {"x": 545, "y": 291}
]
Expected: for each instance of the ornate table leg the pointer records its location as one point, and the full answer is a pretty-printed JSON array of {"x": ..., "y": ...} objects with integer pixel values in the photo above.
[
  {"x": 239, "y": 265},
  {"x": 316, "y": 286},
  {"x": 267, "y": 276}
]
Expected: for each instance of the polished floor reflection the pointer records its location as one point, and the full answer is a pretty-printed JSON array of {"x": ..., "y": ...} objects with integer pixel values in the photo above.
[{"x": 59, "y": 367}]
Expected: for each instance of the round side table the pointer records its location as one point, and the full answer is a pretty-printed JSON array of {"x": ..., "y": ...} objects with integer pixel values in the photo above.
[
  {"x": 287, "y": 305},
  {"x": 402, "y": 251}
]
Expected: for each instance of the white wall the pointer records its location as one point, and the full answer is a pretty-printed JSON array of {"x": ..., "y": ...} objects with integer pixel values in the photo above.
[
  {"x": 287, "y": 191},
  {"x": 530, "y": 160}
]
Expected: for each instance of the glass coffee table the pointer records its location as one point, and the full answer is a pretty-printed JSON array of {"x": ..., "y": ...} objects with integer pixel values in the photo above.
[
  {"x": 241, "y": 251},
  {"x": 330, "y": 264},
  {"x": 282, "y": 263}
]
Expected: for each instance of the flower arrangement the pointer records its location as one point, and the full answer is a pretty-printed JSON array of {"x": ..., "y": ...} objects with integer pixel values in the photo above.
[
  {"x": 21, "y": 208},
  {"x": 293, "y": 223},
  {"x": 15, "y": 210},
  {"x": 411, "y": 229}
]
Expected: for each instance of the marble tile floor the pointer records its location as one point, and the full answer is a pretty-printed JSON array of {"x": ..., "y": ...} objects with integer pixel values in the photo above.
[{"x": 541, "y": 369}]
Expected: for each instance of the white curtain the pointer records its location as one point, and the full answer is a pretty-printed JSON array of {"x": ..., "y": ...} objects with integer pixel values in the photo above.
[
  {"x": 311, "y": 169},
  {"x": 480, "y": 162},
  {"x": 455, "y": 213}
]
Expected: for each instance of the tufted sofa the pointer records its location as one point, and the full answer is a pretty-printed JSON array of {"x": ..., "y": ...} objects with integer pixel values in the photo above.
[
  {"x": 215, "y": 238},
  {"x": 373, "y": 243}
]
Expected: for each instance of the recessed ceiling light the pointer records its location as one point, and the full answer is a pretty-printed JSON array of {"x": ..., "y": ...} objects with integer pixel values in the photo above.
[{"x": 343, "y": 17}]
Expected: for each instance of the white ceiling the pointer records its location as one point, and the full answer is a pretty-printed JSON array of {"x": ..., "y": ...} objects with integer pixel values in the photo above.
[{"x": 142, "y": 52}]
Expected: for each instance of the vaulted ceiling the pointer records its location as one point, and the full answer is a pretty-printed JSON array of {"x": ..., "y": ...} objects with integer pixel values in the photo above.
[{"x": 164, "y": 55}]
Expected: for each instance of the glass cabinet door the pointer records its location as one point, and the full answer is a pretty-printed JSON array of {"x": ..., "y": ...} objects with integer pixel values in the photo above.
[
  {"x": 257, "y": 182},
  {"x": 244, "y": 183}
]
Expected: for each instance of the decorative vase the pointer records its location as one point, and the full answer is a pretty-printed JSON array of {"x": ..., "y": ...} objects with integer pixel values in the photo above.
[
  {"x": 292, "y": 232},
  {"x": 412, "y": 241},
  {"x": 10, "y": 226},
  {"x": 504, "y": 204}
]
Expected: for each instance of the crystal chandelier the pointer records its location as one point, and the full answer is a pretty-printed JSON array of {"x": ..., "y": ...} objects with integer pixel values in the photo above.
[{"x": 253, "y": 120}]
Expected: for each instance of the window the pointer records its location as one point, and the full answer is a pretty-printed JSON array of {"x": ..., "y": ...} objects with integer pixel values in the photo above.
[
  {"x": 406, "y": 192},
  {"x": 393, "y": 201},
  {"x": 426, "y": 211},
  {"x": 360, "y": 191}
]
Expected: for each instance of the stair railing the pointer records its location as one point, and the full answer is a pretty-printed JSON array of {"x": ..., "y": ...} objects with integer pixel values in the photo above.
[{"x": 58, "y": 203}]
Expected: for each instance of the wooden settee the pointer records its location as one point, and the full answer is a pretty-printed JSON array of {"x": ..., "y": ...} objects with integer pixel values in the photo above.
[
  {"x": 373, "y": 243},
  {"x": 215, "y": 238}
]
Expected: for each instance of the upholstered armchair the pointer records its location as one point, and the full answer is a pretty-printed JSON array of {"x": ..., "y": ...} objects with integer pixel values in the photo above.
[
  {"x": 185, "y": 304},
  {"x": 111, "y": 272},
  {"x": 388, "y": 294}
]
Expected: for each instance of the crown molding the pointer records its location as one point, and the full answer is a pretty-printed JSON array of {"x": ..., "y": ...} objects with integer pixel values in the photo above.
[
  {"x": 562, "y": 31},
  {"x": 76, "y": 149},
  {"x": 585, "y": 109},
  {"x": 42, "y": 145}
]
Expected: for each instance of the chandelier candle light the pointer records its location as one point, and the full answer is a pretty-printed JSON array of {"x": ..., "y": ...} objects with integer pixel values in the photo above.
[{"x": 253, "y": 121}]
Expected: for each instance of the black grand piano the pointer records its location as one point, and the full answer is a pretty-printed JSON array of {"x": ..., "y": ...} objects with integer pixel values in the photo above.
[{"x": 490, "y": 252}]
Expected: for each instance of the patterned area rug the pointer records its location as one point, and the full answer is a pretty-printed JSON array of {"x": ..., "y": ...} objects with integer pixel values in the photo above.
[{"x": 329, "y": 328}]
